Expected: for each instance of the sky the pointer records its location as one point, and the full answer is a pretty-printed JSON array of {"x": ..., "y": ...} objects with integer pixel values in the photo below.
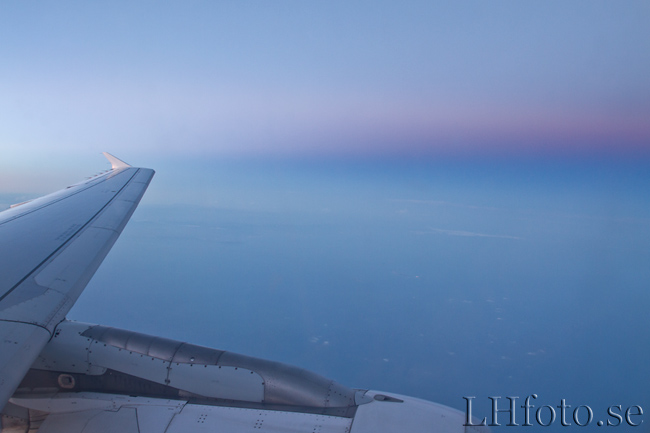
[
  {"x": 314, "y": 79},
  {"x": 437, "y": 199}
]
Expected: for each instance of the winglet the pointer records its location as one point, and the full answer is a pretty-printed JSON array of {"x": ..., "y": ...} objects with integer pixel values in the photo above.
[{"x": 115, "y": 162}]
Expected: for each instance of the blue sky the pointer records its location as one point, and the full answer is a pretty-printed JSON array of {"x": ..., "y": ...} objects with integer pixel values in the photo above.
[
  {"x": 312, "y": 79},
  {"x": 438, "y": 199}
]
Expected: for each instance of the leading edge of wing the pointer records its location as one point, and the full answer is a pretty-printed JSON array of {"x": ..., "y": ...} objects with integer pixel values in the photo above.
[{"x": 51, "y": 247}]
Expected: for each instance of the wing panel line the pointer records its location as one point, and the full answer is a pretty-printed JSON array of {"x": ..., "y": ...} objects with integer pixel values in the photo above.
[
  {"x": 8, "y": 292},
  {"x": 95, "y": 183}
]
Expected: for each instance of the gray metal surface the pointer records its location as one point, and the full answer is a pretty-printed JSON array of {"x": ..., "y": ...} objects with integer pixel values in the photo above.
[
  {"x": 80, "y": 412},
  {"x": 50, "y": 248},
  {"x": 410, "y": 415},
  {"x": 196, "y": 370},
  {"x": 283, "y": 384},
  {"x": 196, "y": 419},
  {"x": 103, "y": 413},
  {"x": 100, "y": 413}
]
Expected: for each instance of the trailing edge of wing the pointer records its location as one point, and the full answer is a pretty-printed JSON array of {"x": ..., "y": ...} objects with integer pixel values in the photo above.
[{"x": 51, "y": 248}]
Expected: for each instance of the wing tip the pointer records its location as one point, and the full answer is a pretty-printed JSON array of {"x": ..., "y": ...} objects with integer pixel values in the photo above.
[{"x": 115, "y": 162}]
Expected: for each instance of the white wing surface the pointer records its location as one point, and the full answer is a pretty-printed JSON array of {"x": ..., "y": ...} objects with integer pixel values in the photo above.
[{"x": 49, "y": 249}]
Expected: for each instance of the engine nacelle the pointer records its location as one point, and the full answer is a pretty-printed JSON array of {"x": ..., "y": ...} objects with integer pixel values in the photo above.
[
  {"x": 97, "y": 377},
  {"x": 85, "y": 357}
]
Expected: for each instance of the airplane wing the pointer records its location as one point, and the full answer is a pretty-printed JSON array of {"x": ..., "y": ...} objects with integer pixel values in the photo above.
[
  {"x": 71, "y": 377},
  {"x": 50, "y": 248}
]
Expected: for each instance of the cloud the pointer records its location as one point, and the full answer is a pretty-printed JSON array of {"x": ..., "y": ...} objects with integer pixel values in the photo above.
[
  {"x": 445, "y": 203},
  {"x": 467, "y": 234}
]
